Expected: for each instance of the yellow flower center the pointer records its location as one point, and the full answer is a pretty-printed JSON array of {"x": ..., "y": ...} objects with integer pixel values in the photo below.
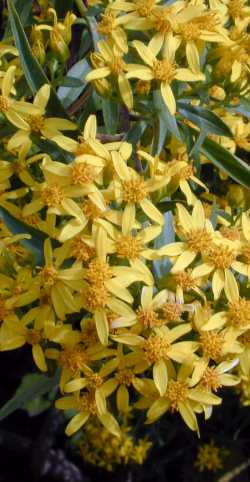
[
  {"x": 4, "y": 104},
  {"x": 198, "y": 240},
  {"x": 81, "y": 250},
  {"x": 82, "y": 173},
  {"x": 209, "y": 458},
  {"x": 236, "y": 8},
  {"x": 73, "y": 359},
  {"x": 220, "y": 256},
  {"x": 160, "y": 17},
  {"x": 189, "y": 31},
  {"x": 134, "y": 190},
  {"x": 211, "y": 344},
  {"x": 147, "y": 318},
  {"x": 84, "y": 148},
  {"x": 245, "y": 339},
  {"x": 164, "y": 71},
  {"x": 239, "y": 312},
  {"x": 49, "y": 276},
  {"x": 144, "y": 7},
  {"x": 52, "y": 196},
  {"x": 124, "y": 377},
  {"x": 106, "y": 25},
  {"x": 36, "y": 123},
  {"x": 117, "y": 66},
  {"x": 95, "y": 297},
  {"x": 155, "y": 348},
  {"x": 210, "y": 379},
  {"x": 33, "y": 337},
  {"x": 90, "y": 210},
  {"x": 176, "y": 393},
  {"x": 129, "y": 247},
  {"x": 186, "y": 172},
  {"x": 171, "y": 311},
  {"x": 184, "y": 280},
  {"x": 98, "y": 272},
  {"x": 95, "y": 381},
  {"x": 87, "y": 403}
]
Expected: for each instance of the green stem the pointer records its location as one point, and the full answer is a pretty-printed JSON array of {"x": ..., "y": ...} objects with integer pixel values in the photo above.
[{"x": 81, "y": 7}]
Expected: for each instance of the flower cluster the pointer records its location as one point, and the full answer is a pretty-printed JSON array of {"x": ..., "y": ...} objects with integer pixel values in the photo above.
[{"x": 127, "y": 270}]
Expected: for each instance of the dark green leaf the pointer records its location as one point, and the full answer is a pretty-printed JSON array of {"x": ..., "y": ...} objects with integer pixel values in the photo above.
[
  {"x": 63, "y": 6},
  {"x": 33, "y": 72},
  {"x": 166, "y": 121},
  {"x": 35, "y": 244},
  {"x": 68, "y": 95},
  {"x": 71, "y": 82},
  {"x": 135, "y": 132},
  {"x": 110, "y": 111},
  {"x": 204, "y": 119},
  {"x": 31, "y": 387},
  {"x": 23, "y": 8}
]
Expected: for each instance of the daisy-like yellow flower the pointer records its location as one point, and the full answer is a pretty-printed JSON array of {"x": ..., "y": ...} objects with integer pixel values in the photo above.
[
  {"x": 110, "y": 26},
  {"x": 182, "y": 398},
  {"x": 213, "y": 377},
  {"x": 163, "y": 70},
  {"x": 158, "y": 349},
  {"x": 11, "y": 108},
  {"x": 86, "y": 407},
  {"x": 34, "y": 121},
  {"x": 112, "y": 65},
  {"x": 197, "y": 232}
]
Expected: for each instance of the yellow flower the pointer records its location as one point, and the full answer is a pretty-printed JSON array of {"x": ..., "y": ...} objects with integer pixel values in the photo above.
[
  {"x": 162, "y": 70},
  {"x": 34, "y": 121},
  {"x": 243, "y": 266},
  {"x": 86, "y": 407},
  {"x": 209, "y": 457},
  {"x": 112, "y": 65},
  {"x": 110, "y": 26}
]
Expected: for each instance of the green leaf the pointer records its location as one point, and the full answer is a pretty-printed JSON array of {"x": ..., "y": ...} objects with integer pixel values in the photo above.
[
  {"x": 35, "y": 243},
  {"x": 32, "y": 386},
  {"x": 110, "y": 111},
  {"x": 167, "y": 236},
  {"x": 56, "y": 153},
  {"x": 71, "y": 82},
  {"x": 242, "y": 108},
  {"x": 204, "y": 119},
  {"x": 92, "y": 24},
  {"x": 166, "y": 122},
  {"x": 67, "y": 94},
  {"x": 135, "y": 132},
  {"x": 33, "y": 72},
  {"x": 23, "y": 8},
  {"x": 63, "y": 6}
]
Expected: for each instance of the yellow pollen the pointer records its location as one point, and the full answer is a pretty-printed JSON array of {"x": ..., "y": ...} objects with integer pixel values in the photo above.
[
  {"x": 144, "y": 7},
  {"x": 129, "y": 247},
  {"x": 184, "y": 280},
  {"x": 236, "y": 8},
  {"x": 73, "y": 359},
  {"x": 148, "y": 318},
  {"x": 117, "y": 66},
  {"x": 95, "y": 297},
  {"x": 239, "y": 312},
  {"x": 4, "y": 104},
  {"x": 87, "y": 403},
  {"x": 155, "y": 348},
  {"x": 211, "y": 344},
  {"x": 52, "y": 196},
  {"x": 186, "y": 172},
  {"x": 95, "y": 381},
  {"x": 49, "y": 276},
  {"x": 81, "y": 250},
  {"x": 33, "y": 337},
  {"x": 210, "y": 379},
  {"x": 106, "y": 25},
  {"x": 36, "y": 123},
  {"x": 164, "y": 71},
  {"x": 124, "y": 377},
  {"x": 189, "y": 31},
  {"x": 160, "y": 18},
  {"x": 171, "y": 311},
  {"x": 82, "y": 173},
  {"x": 176, "y": 393},
  {"x": 198, "y": 240},
  {"x": 90, "y": 210},
  {"x": 98, "y": 272},
  {"x": 220, "y": 256},
  {"x": 134, "y": 190},
  {"x": 209, "y": 458}
]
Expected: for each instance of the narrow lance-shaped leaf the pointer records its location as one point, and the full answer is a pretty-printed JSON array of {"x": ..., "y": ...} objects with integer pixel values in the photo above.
[
  {"x": 205, "y": 119},
  {"x": 33, "y": 72}
]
